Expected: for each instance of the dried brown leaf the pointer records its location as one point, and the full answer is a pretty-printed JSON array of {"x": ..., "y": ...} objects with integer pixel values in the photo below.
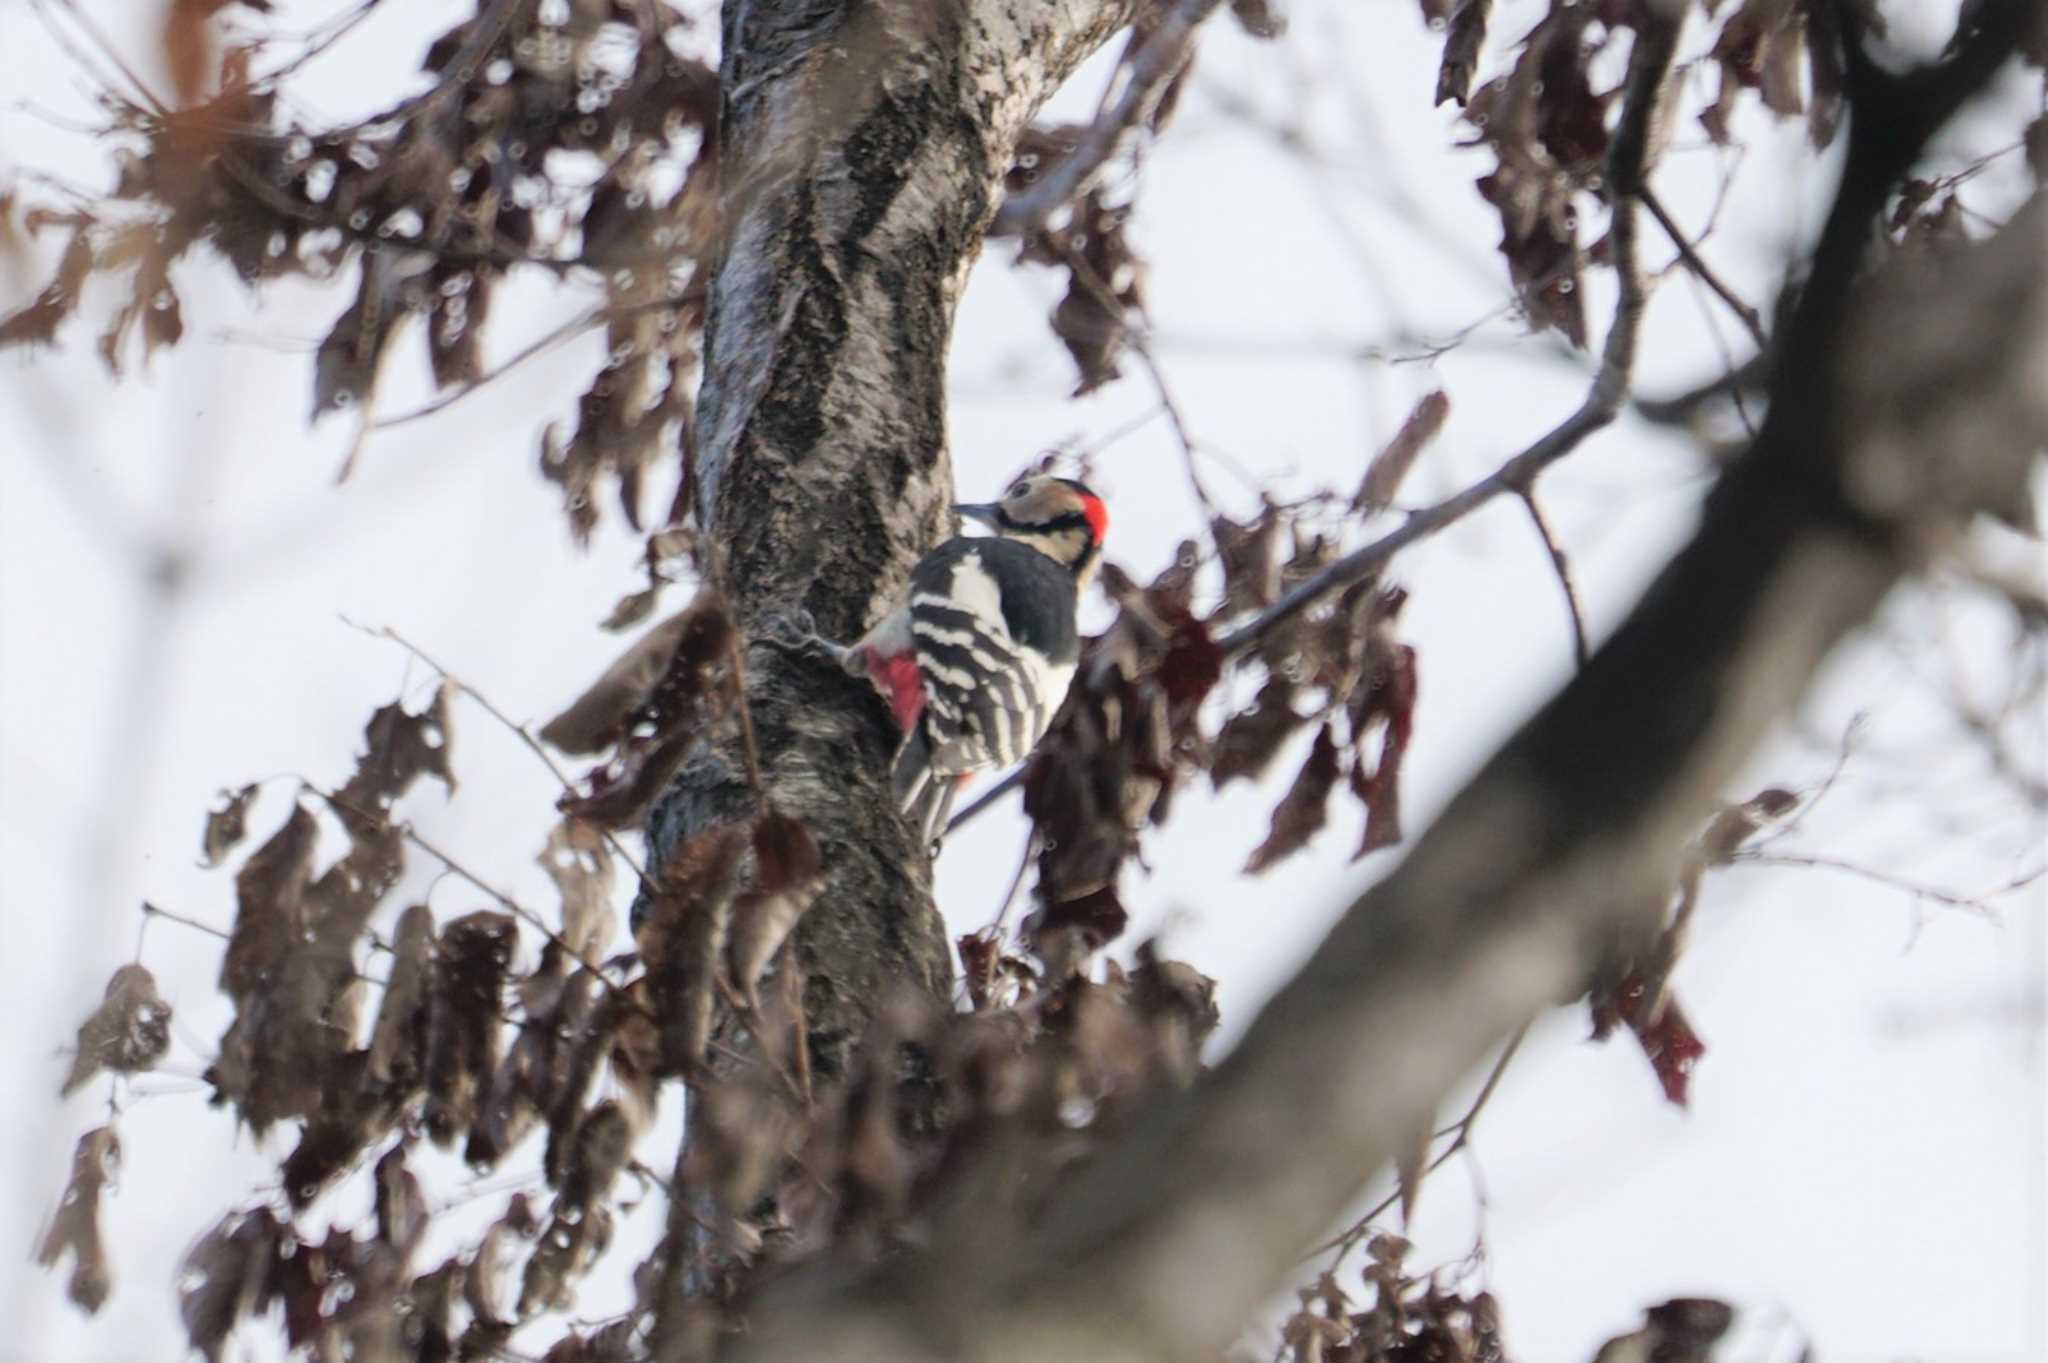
[
  {"x": 788, "y": 876},
  {"x": 268, "y": 890},
  {"x": 37, "y": 323},
  {"x": 130, "y": 1030},
  {"x": 1464, "y": 36},
  {"x": 1252, "y": 738},
  {"x": 1257, "y": 17},
  {"x": 1389, "y": 468},
  {"x": 1303, "y": 809},
  {"x": 579, "y": 860},
  {"x": 75, "y": 1229},
  {"x": 401, "y": 1208},
  {"x": 469, "y": 979},
  {"x": 229, "y": 1274},
  {"x": 226, "y": 826},
  {"x": 1106, "y": 279},
  {"x": 346, "y": 365},
  {"x": 399, "y": 1043},
  {"x": 604, "y": 1142},
  {"x": 697, "y": 684},
  {"x": 1387, "y": 698},
  {"x": 597, "y": 718},
  {"x": 484, "y": 1288},
  {"x": 1250, "y": 561},
  {"x": 682, "y": 940}
]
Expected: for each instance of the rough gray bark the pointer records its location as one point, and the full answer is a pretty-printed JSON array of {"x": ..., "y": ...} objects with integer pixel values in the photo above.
[
  {"x": 863, "y": 147},
  {"x": 1558, "y": 851}
]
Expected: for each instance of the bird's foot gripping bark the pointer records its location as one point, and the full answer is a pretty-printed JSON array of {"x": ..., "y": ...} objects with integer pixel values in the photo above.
[{"x": 796, "y": 633}]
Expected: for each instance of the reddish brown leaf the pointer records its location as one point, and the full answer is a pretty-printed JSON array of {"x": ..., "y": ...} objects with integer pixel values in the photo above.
[
  {"x": 1667, "y": 1038},
  {"x": 1303, "y": 809},
  {"x": 75, "y": 1229},
  {"x": 597, "y": 718},
  {"x": 1099, "y": 917}
]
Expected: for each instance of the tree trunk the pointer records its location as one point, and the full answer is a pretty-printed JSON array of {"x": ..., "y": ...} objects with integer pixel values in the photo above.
[{"x": 863, "y": 148}]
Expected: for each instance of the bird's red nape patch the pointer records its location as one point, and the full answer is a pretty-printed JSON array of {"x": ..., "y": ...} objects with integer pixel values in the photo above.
[
  {"x": 1098, "y": 516},
  {"x": 898, "y": 679}
]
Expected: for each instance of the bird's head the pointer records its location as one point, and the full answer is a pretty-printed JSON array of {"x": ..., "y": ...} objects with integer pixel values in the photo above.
[{"x": 1059, "y": 517}]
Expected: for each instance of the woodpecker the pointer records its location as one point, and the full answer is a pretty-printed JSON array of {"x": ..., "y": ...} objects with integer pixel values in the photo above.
[{"x": 976, "y": 659}]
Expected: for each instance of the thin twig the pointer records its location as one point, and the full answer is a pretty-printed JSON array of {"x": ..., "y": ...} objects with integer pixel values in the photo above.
[
  {"x": 1978, "y": 904},
  {"x": 150, "y": 911},
  {"x": 1602, "y": 403},
  {"x": 1013, "y": 781},
  {"x": 568, "y": 330},
  {"x": 1461, "y": 1133},
  {"x": 1143, "y": 347},
  {"x": 749, "y": 748},
  {"x": 1850, "y": 734},
  {"x": 504, "y": 901},
  {"x": 1562, "y": 567},
  {"x": 318, "y": 39},
  {"x": 1153, "y": 69},
  {"x": 1702, "y": 271},
  {"x": 112, "y": 54},
  {"x": 518, "y": 730},
  {"x": 1016, "y": 882}
]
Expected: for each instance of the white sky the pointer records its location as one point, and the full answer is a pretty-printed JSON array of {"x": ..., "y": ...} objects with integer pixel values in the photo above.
[{"x": 1863, "y": 1164}]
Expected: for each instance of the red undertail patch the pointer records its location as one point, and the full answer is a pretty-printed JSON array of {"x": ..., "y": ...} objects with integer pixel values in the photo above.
[{"x": 901, "y": 683}]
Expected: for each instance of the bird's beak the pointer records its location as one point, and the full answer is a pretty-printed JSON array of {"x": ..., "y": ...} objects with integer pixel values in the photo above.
[{"x": 985, "y": 512}]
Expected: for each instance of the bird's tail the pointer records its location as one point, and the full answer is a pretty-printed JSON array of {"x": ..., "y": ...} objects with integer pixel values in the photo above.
[{"x": 924, "y": 796}]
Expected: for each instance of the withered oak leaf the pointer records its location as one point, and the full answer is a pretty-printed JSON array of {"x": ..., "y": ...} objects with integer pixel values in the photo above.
[
  {"x": 75, "y": 1229},
  {"x": 1303, "y": 809}
]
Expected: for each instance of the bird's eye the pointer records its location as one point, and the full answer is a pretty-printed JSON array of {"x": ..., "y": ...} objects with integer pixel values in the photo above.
[{"x": 1018, "y": 491}]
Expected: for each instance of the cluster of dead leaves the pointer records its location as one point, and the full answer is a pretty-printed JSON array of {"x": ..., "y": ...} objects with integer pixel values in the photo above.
[
  {"x": 1547, "y": 127},
  {"x": 542, "y": 143},
  {"x": 649, "y": 709},
  {"x": 942, "y": 1117},
  {"x": 1089, "y": 238},
  {"x": 460, "y": 1042},
  {"x": 1548, "y": 122},
  {"x": 1409, "y": 1317},
  {"x": 1136, "y": 723}
]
